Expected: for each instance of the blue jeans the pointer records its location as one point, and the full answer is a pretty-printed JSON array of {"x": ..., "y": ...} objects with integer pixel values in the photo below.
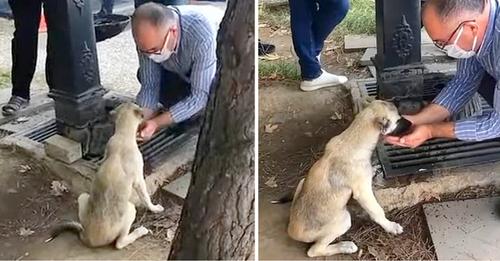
[
  {"x": 311, "y": 23},
  {"x": 107, "y": 6}
]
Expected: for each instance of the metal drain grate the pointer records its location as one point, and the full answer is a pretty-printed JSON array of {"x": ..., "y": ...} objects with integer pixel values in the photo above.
[
  {"x": 434, "y": 154},
  {"x": 43, "y": 131},
  {"x": 153, "y": 151}
]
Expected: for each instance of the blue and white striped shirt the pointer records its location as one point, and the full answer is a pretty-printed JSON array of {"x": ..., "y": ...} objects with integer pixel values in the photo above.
[
  {"x": 194, "y": 61},
  {"x": 470, "y": 72}
]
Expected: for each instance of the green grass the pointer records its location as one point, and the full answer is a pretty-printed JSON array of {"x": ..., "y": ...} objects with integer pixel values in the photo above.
[
  {"x": 4, "y": 79},
  {"x": 276, "y": 70},
  {"x": 359, "y": 20}
]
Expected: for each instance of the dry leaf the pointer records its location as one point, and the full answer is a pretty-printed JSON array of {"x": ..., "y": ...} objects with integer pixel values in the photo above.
[
  {"x": 24, "y": 168},
  {"x": 271, "y": 182},
  {"x": 170, "y": 235},
  {"x": 20, "y": 120},
  {"x": 270, "y": 128},
  {"x": 373, "y": 251},
  {"x": 270, "y": 57},
  {"x": 24, "y": 232},
  {"x": 360, "y": 253},
  {"x": 58, "y": 187},
  {"x": 431, "y": 195},
  {"x": 336, "y": 116}
]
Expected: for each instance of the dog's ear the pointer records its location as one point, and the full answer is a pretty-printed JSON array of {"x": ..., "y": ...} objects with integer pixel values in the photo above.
[
  {"x": 113, "y": 114},
  {"x": 367, "y": 100},
  {"x": 138, "y": 112},
  {"x": 361, "y": 103},
  {"x": 382, "y": 123}
]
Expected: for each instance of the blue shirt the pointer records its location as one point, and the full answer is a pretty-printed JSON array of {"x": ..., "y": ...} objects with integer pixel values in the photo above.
[
  {"x": 470, "y": 72},
  {"x": 194, "y": 61}
]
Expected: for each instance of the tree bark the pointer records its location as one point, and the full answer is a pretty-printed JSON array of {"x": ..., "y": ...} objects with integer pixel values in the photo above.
[{"x": 217, "y": 220}]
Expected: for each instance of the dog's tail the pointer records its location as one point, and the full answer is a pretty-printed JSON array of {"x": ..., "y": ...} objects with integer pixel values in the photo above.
[
  {"x": 285, "y": 199},
  {"x": 73, "y": 226}
]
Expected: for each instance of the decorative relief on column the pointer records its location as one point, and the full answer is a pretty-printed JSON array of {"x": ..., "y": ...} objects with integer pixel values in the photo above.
[
  {"x": 402, "y": 39},
  {"x": 87, "y": 64},
  {"x": 80, "y": 4}
]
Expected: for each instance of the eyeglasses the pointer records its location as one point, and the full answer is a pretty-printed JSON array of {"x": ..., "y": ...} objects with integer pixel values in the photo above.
[
  {"x": 442, "y": 44},
  {"x": 158, "y": 51}
]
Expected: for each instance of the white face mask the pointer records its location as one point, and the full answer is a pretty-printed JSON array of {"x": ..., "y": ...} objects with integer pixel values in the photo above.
[
  {"x": 159, "y": 58},
  {"x": 455, "y": 51},
  {"x": 164, "y": 54}
]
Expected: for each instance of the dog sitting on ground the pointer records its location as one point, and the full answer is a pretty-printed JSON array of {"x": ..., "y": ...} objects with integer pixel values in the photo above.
[
  {"x": 318, "y": 212},
  {"x": 106, "y": 214}
]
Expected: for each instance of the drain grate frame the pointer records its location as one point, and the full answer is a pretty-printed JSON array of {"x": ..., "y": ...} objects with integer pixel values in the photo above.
[
  {"x": 154, "y": 151},
  {"x": 435, "y": 154}
]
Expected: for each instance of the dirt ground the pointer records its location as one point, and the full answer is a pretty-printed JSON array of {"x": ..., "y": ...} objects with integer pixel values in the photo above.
[{"x": 30, "y": 205}]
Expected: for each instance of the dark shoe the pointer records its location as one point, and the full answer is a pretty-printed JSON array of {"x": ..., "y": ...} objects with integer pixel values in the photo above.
[
  {"x": 15, "y": 104},
  {"x": 265, "y": 49}
]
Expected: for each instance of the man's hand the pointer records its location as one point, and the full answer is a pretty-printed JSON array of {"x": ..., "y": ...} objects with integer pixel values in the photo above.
[
  {"x": 146, "y": 130},
  {"x": 418, "y": 135}
]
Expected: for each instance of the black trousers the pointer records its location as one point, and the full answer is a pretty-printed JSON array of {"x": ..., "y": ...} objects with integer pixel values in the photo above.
[
  {"x": 25, "y": 45},
  {"x": 487, "y": 88},
  {"x": 173, "y": 89}
]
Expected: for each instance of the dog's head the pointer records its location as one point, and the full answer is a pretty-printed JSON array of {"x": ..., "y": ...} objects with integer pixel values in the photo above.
[
  {"x": 128, "y": 113},
  {"x": 387, "y": 118}
]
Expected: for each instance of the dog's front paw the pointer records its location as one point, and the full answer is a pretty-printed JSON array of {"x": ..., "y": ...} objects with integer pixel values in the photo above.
[
  {"x": 142, "y": 231},
  {"x": 347, "y": 247},
  {"x": 394, "y": 228},
  {"x": 156, "y": 208}
]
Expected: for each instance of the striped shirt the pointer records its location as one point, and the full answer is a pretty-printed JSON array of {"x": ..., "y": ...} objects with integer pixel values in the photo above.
[
  {"x": 464, "y": 85},
  {"x": 194, "y": 61}
]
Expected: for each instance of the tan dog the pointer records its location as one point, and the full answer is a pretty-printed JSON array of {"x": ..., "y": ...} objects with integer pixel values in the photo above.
[
  {"x": 318, "y": 213},
  {"x": 107, "y": 214}
]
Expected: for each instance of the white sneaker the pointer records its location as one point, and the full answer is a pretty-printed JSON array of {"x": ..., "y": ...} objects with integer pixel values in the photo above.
[{"x": 326, "y": 79}]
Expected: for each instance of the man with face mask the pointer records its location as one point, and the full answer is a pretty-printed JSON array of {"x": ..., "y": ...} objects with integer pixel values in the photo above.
[
  {"x": 177, "y": 61},
  {"x": 468, "y": 30}
]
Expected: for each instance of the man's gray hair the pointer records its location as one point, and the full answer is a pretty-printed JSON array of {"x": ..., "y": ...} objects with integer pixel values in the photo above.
[
  {"x": 454, "y": 8},
  {"x": 156, "y": 14}
]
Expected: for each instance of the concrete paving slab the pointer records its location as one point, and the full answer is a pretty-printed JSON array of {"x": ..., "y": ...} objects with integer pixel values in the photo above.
[
  {"x": 180, "y": 186},
  {"x": 63, "y": 149},
  {"x": 356, "y": 42},
  {"x": 464, "y": 230},
  {"x": 429, "y": 52}
]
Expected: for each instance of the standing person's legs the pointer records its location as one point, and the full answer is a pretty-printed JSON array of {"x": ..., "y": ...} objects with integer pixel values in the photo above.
[
  {"x": 24, "y": 51},
  {"x": 107, "y": 6},
  {"x": 329, "y": 14},
  {"x": 49, "y": 60},
  {"x": 301, "y": 20}
]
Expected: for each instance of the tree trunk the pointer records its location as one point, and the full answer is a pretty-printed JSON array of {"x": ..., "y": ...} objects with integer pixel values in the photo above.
[{"x": 217, "y": 220}]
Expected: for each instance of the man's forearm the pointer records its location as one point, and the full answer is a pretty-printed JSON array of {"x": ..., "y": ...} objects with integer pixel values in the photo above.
[
  {"x": 163, "y": 119},
  {"x": 430, "y": 114},
  {"x": 442, "y": 130}
]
